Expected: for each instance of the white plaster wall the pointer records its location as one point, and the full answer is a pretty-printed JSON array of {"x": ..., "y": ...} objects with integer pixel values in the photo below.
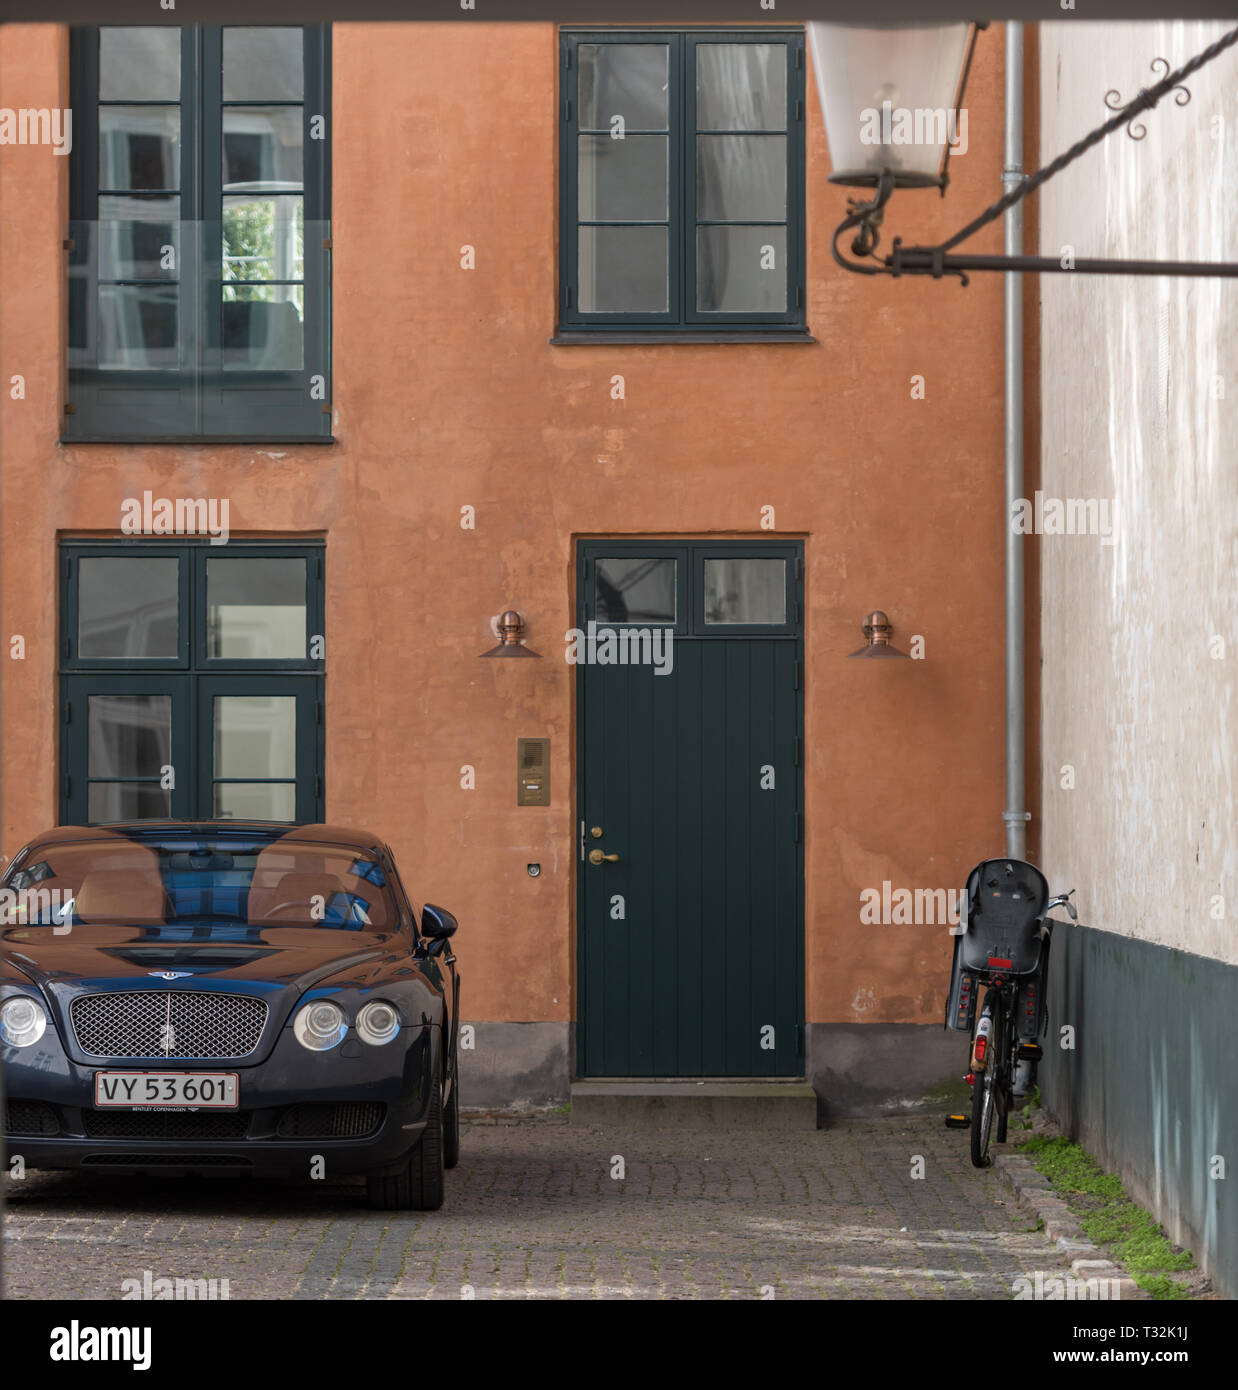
[{"x": 1132, "y": 696}]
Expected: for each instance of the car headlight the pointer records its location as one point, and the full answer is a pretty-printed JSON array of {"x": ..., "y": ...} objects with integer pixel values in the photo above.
[
  {"x": 320, "y": 1025},
  {"x": 22, "y": 1021},
  {"x": 378, "y": 1022}
]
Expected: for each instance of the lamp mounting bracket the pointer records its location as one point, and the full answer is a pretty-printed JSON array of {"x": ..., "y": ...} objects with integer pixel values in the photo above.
[{"x": 937, "y": 261}]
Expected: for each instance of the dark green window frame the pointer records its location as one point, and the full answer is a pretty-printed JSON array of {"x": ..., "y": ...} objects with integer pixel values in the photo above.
[
  {"x": 202, "y": 398},
  {"x": 689, "y": 559},
  {"x": 682, "y": 318},
  {"x": 190, "y": 679}
]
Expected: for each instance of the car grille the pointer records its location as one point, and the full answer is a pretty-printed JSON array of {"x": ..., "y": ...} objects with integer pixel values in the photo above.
[
  {"x": 170, "y": 1124},
  {"x": 168, "y": 1023},
  {"x": 29, "y": 1117},
  {"x": 347, "y": 1120}
]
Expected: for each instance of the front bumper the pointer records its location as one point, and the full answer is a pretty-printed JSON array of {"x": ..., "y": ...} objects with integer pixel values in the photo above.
[{"x": 392, "y": 1083}]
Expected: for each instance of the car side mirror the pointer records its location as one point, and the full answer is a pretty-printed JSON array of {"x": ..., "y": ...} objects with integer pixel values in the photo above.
[{"x": 437, "y": 923}]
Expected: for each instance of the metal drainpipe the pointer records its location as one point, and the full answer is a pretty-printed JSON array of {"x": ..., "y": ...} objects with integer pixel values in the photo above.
[{"x": 1015, "y": 815}]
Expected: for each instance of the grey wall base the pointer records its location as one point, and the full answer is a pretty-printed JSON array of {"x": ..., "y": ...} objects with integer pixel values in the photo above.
[
  {"x": 882, "y": 1068},
  {"x": 855, "y": 1068},
  {"x": 516, "y": 1064},
  {"x": 1151, "y": 1085}
]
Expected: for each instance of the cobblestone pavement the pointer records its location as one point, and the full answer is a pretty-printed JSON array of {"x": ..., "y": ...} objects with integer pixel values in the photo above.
[{"x": 533, "y": 1212}]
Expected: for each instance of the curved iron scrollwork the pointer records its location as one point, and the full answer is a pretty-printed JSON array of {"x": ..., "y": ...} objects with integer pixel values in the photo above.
[
  {"x": 865, "y": 217},
  {"x": 1146, "y": 99}
]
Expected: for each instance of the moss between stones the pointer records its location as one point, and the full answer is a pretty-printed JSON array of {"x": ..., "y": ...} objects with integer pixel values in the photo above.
[
  {"x": 948, "y": 1090},
  {"x": 1124, "y": 1230}
]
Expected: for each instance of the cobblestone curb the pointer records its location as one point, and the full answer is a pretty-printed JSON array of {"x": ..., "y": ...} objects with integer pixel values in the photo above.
[{"x": 1034, "y": 1193}]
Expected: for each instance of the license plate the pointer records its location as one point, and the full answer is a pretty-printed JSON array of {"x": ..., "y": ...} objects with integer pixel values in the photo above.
[{"x": 166, "y": 1090}]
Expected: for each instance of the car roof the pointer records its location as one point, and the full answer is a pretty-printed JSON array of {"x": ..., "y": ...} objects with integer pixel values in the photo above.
[{"x": 147, "y": 831}]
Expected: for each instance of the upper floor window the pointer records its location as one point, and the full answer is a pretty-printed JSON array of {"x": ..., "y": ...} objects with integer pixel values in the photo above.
[
  {"x": 682, "y": 181},
  {"x": 199, "y": 265}
]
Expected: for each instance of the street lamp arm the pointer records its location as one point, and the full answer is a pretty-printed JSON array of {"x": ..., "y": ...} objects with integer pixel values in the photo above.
[
  {"x": 1145, "y": 101},
  {"x": 935, "y": 260}
]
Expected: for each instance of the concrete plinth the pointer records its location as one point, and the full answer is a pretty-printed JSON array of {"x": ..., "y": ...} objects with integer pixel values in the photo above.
[{"x": 652, "y": 1104}]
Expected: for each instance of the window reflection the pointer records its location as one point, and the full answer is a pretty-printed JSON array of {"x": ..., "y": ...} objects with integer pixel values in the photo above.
[
  {"x": 635, "y": 590},
  {"x": 623, "y": 269},
  {"x": 261, "y": 63},
  {"x": 741, "y": 86},
  {"x": 743, "y": 590},
  {"x": 262, "y": 321},
  {"x": 126, "y": 607},
  {"x": 140, "y": 63},
  {"x": 255, "y": 736},
  {"x": 107, "y": 801},
  {"x": 139, "y": 148},
  {"x": 255, "y": 609},
  {"x": 129, "y": 735}
]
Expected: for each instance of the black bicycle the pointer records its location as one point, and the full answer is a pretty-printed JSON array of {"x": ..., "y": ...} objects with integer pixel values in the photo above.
[{"x": 1002, "y": 947}]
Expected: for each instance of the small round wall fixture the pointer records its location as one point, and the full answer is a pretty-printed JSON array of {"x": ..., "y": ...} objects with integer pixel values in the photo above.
[
  {"x": 877, "y": 628},
  {"x": 511, "y": 637}
]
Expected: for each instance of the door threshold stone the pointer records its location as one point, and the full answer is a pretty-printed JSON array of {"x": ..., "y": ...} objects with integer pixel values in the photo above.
[{"x": 642, "y": 1103}]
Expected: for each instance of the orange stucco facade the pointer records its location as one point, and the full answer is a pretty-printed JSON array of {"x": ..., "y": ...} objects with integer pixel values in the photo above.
[{"x": 447, "y": 393}]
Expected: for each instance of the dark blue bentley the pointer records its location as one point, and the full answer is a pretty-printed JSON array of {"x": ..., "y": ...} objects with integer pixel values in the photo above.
[{"x": 215, "y": 995}]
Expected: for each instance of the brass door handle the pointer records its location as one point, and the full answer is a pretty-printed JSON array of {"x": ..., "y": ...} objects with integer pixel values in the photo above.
[{"x": 597, "y": 857}]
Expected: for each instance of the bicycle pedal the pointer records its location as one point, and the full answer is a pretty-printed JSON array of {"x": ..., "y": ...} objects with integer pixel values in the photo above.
[
  {"x": 957, "y": 1122},
  {"x": 1030, "y": 1052}
]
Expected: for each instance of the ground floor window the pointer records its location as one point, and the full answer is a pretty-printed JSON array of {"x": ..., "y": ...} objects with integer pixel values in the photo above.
[{"x": 191, "y": 681}]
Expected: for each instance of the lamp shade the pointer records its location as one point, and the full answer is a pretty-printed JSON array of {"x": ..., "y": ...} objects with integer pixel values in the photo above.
[
  {"x": 890, "y": 96},
  {"x": 877, "y": 629},
  {"x": 510, "y": 627}
]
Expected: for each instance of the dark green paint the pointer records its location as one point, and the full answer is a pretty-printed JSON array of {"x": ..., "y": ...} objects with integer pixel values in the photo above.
[{"x": 710, "y": 948}]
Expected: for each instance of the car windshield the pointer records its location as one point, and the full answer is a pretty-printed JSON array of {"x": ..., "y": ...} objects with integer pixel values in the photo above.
[{"x": 198, "y": 884}]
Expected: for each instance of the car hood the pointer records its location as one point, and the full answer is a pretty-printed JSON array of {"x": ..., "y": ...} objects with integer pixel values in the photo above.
[{"x": 129, "y": 956}]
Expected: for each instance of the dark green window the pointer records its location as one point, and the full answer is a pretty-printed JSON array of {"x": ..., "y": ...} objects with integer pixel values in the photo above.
[
  {"x": 191, "y": 681},
  {"x": 682, "y": 189},
  {"x": 199, "y": 239}
]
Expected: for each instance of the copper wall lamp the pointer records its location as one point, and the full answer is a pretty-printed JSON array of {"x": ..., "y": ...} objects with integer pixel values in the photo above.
[
  {"x": 511, "y": 637},
  {"x": 866, "y": 73},
  {"x": 877, "y": 628}
]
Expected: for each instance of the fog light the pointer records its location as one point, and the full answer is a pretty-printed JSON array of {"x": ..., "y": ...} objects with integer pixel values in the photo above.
[{"x": 320, "y": 1025}]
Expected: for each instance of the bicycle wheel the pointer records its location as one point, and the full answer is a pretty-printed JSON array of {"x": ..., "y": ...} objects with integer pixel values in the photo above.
[{"x": 983, "y": 1094}]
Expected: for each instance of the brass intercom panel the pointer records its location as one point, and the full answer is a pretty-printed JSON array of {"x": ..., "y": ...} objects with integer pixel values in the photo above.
[{"x": 532, "y": 772}]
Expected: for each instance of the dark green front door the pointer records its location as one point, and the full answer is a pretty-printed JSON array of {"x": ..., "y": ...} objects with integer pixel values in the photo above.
[{"x": 690, "y": 767}]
